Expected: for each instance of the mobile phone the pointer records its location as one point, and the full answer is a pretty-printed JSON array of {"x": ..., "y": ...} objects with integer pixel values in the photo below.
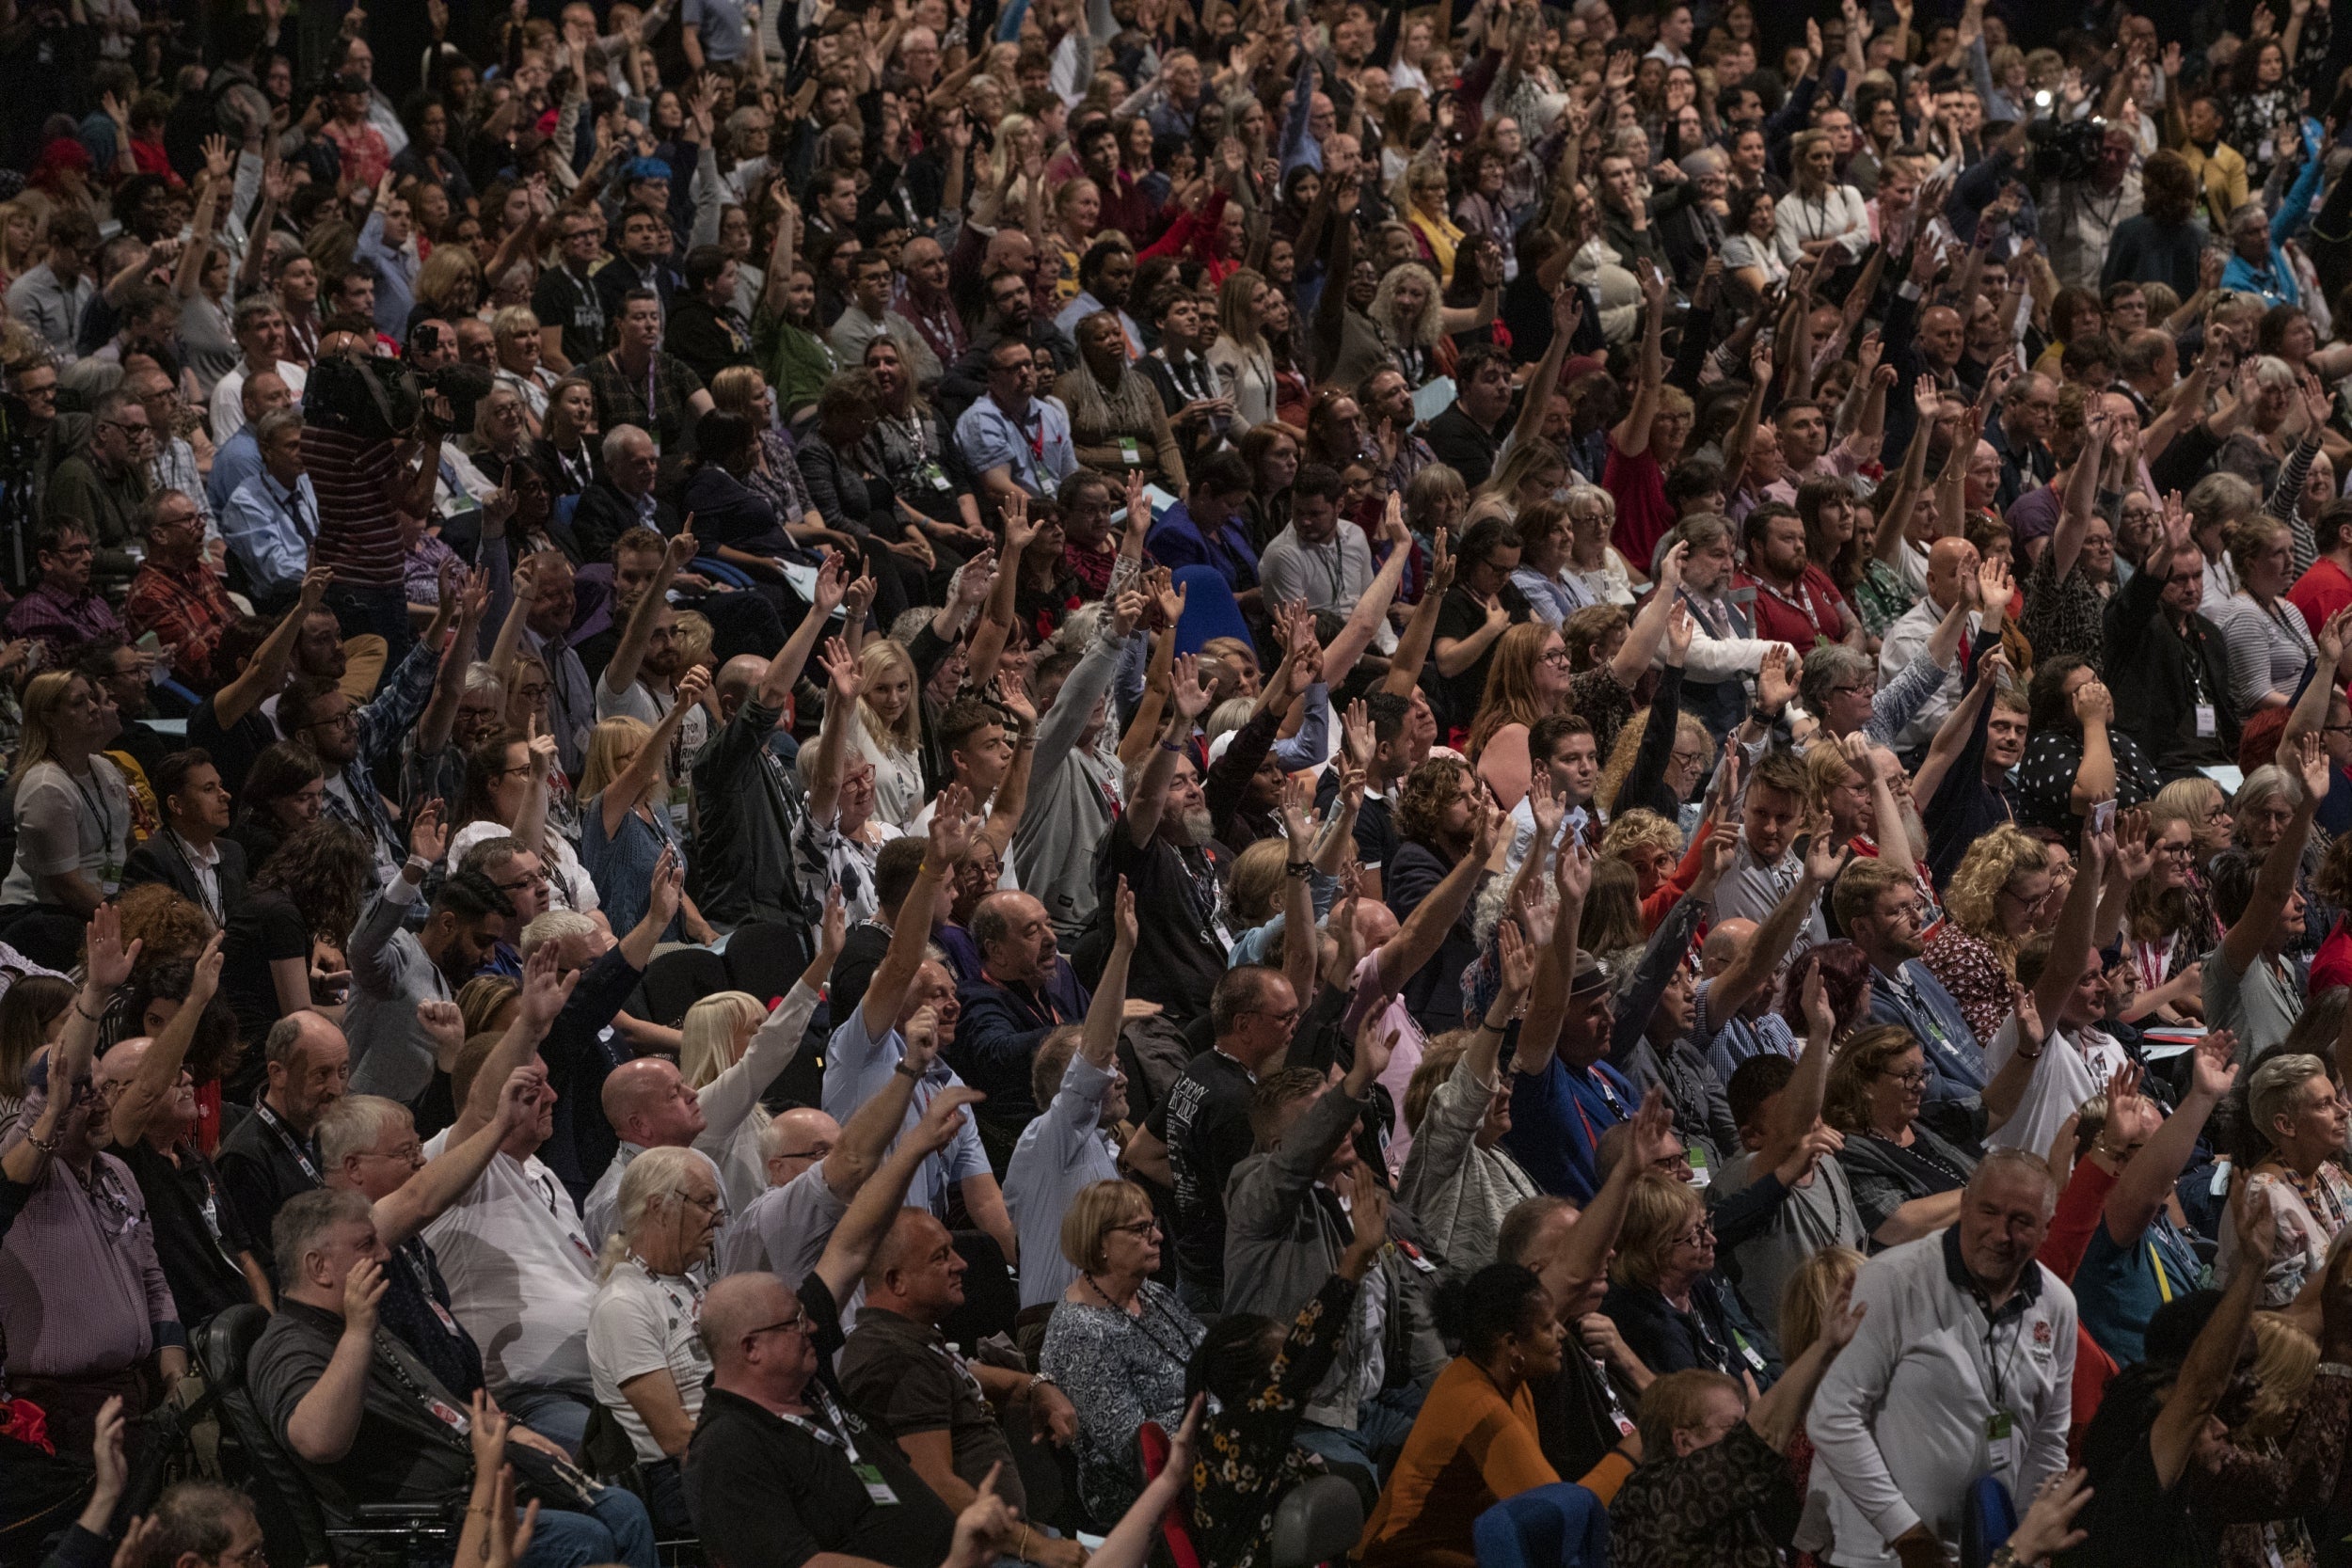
[{"x": 2103, "y": 817}]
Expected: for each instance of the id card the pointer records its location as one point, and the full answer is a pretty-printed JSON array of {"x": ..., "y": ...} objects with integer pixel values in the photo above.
[
  {"x": 876, "y": 1487},
  {"x": 1128, "y": 452},
  {"x": 2206, "y": 727}
]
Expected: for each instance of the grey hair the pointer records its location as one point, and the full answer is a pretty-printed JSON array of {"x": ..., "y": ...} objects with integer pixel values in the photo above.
[
  {"x": 308, "y": 1216},
  {"x": 2220, "y": 499},
  {"x": 616, "y": 441},
  {"x": 2272, "y": 372},
  {"x": 355, "y": 1123},
  {"x": 1231, "y": 714},
  {"x": 555, "y": 926},
  {"x": 276, "y": 423},
  {"x": 655, "y": 1180},
  {"x": 482, "y": 678},
  {"x": 1830, "y": 664},
  {"x": 2263, "y": 782},
  {"x": 2022, "y": 1163},
  {"x": 2277, "y": 1090}
]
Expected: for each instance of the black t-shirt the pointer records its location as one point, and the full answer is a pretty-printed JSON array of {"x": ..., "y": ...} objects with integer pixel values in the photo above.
[
  {"x": 265, "y": 928},
  {"x": 1433, "y": 992},
  {"x": 2132, "y": 1518},
  {"x": 902, "y": 1379},
  {"x": 260, "y": 1164},
  {"x": 1205, "y": 1123},
  {"x": 1578, "y": 1411},
  {"x": 1460, "y": 615},
  {"x": 1179, "y": 946},
  {"x": 233, "y": 749},
  {"x": 197, "y": 1230},
  {"x": 406, "y": 1450},
  {"x": 565, "y": 300},
  {"x": 767, "y": 1492}
]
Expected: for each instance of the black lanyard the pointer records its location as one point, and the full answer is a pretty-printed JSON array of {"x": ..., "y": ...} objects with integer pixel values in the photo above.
[
  {"x": 99, "y": 808},
  {"x": 294, "y": 1145}
]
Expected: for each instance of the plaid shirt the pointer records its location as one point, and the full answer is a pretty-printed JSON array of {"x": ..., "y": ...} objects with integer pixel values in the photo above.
[
  {"x": 621, "y": 397},
  {"x": 384, "y": 724},
  {"x": 63, "y": 624},
  {"x": 184, "y": 610}
]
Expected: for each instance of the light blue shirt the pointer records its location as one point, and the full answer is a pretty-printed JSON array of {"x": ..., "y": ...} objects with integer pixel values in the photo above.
[
  {"x": 271, "y": 527},
  {"x": 721, "y": 24},
  {"x": 236, "y": 460},
  {"x": 1036, "y": 448},
  {"x": 395, "y": 277},
  {"x": 1060, "y": 1153},
  {"x": 1086, "y": 305},
  {"x": 857, "y": 1067}
]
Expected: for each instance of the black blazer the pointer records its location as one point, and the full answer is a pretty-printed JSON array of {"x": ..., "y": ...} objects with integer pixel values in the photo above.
[{"x": 161, "y": 860}]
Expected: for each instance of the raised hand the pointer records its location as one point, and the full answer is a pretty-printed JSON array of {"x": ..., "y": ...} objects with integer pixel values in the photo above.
[
  {"x": 428, "y": 835},
  {"x": 1368, "y": 1215},
  {"x": 1820, "y": 1019},
  {"x": 1572, "y": 869},
  {"x": 109, "y": 962},
  {"x": 444, "y": 1026},
  {"x": 951, "y": 831},
  {"x": 667, "y": 886},
  {"x": 2048, "y": 1526},
  {"x": 364, "y": 1293},
  {"x": 2313, "y": 767},
  {"x": 1124, "y": 931},
  {"x": 1187, "y": 693},
  {"x": 546, "y": 986}
]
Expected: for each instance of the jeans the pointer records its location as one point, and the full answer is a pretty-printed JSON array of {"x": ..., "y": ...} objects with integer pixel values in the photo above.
[
  {"x": 556, "y": 1412},
  {"x": 381, "y": 610},
  {"x": 617, "y": 1530},
  {"x": 1365, "y": 1451}
]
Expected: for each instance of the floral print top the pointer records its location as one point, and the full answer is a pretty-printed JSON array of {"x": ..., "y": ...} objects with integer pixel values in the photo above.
[{"x": 1248, "y": 1463}]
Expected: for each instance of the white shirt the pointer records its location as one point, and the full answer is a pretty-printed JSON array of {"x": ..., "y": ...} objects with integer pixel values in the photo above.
[
  {"x": 786, "y": 1228},
  {"x": 1921, "y": 1356},
  {"x": 645, "y": 1322},
  {"x": 521, "y": 1275},
  {"x": 229, "y": 398},
  {"x": 2069, "y": 1072},
  {"x": 1906, "y": 640}
]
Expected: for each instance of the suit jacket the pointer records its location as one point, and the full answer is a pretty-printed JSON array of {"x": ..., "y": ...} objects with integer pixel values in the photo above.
[
  {"x": 602, "y": 516},
  {"x": 160, "y": 860}
]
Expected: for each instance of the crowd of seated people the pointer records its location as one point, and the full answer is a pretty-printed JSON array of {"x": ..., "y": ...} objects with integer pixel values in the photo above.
[{"x": 934, "y": 783}]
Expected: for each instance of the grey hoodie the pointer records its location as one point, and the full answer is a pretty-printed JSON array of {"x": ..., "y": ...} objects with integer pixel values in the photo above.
[{"x": 1070, "y": 792}]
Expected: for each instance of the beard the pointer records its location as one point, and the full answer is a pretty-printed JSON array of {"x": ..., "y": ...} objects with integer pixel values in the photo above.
[{"x": 1199, "y": 827}]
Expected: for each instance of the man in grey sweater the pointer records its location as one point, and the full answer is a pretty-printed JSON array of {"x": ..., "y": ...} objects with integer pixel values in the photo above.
[
  {"x": 1284, "y": 1232},
  {"x": 398, "y": 1037},
  {"x": 1072, "y": 784}
]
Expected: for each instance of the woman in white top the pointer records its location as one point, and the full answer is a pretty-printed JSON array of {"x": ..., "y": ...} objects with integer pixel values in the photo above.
[
  {"x": 515, "y": 337},
  {"x": 1240, "y": 355},
  {"x": 1819, "y": 213},
  {"x": 2267, "y": 639},
  {"x": 889, "y": 731},
  {"x": 732, "y": 1030},
  {"x": 506, "y": 796},
  {"x": 1751, "y": 254},
  {"x": 72, "y": 807},
  {"x": 645, "y": 1350}
]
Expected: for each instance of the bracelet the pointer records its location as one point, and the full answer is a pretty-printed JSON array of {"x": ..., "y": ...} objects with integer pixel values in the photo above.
[
  {"x": 1301, "y": 869},
  {"x": 1173, "y": 748},
  {"x": 79, "y": 1013},
  {"x": 48, "y": 1146},
  {"x": 1490, "y": 1026}
]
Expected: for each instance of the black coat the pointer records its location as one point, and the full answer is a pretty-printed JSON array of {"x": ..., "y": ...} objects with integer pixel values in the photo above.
[{"x": 160, "y": 860}]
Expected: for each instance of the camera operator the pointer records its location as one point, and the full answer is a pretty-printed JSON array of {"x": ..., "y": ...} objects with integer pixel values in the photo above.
[
  {"x": 2087, "y": 186},
  {"x": 365, "y": 475}
]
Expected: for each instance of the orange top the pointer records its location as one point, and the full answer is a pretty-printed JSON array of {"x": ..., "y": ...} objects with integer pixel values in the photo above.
[{"x": 1470, "y": 1448}]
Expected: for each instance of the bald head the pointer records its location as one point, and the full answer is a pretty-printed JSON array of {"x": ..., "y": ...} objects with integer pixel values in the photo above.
[
  {"x": 120, "y": 1064},
  {"x": 649, "y": 1104},
  {"x": 735, "y": 1307},
  {"x": 795, "y": 1140},
  {"x": 1724, "y": 942},
  {"x": 1950, "y": 559},
  {"x": 739, "y": 677},
  {"x": 1015, "y": 937}
]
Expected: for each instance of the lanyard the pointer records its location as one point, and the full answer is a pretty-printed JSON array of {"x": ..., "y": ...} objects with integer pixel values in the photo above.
[
  {"x": 100, "y": 809},
  {"x": 294, "y": 1145},
  {"x": 209, "y": 891},
  {"x": 835, "y": 1434},
  {"x": 1802, "y": 604}
]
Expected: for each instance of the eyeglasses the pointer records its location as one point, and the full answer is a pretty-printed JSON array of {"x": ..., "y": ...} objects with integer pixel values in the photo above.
[
  {"x": 1285, "y": 1019},
  {"x": 1700, "y": 1237},
  {"x": 797, "y": 1323},
  {"x": 1138, "y": 1229},
  {"x": 707, "y": 1205},
  {"x": 255, "y": 1555},
  {"x": 819, "y": 1152},
  {"x": 1916, "y": 1078},
  {"x": 345, "y": 719}
]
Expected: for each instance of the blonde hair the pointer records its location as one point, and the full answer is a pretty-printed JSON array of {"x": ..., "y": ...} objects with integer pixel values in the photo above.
[
  {"x": 437, "y": 280},
  {"x": 1991, "y": 864},
  {"x": 44, "y": 699},
  {"x": 1254, "y": 888},
  {"x": 736, "y": 389},
  {"x": 1423, "y": 331},
  {"x": 879, "y": 658},
  {"x": 2185, "y": 801},
  {"x": 2284, "y": 1359},
  {"x": 693, "y": 634},
  {"x": 1438, "y": 1059},
  {"x": 1237, "y": 310},
  {"x": 512, "y": 319},
  {"x": 706, "y": 1038},
  {"x": 1806, "y": 1296},
  {"x": 1655, "y": 1214},
  {"x": 1639, "y": 828},
  {"x": 608, "y": 744},
  {"x": 1099, "y": 1207}
]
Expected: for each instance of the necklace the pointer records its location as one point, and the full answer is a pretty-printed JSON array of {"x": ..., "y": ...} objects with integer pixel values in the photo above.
[{"x": 1140, "y": 1322}]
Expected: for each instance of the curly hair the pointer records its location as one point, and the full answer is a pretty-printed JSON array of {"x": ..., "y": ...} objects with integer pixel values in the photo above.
[
  {"x": 321, "y": 870},
  {"x": 1639, "y": 828},
  {"x": 166, "y": 924},
  {"x": 1845, "y": 985},
  {"x": 1424, "y": 332},
  {"x": 1846, "y": 1103},
  {"x": 1428, "y": 790},
  {"x": 1991, "y": 864}
]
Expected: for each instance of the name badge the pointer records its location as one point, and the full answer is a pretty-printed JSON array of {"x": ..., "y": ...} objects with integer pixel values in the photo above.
[
  {"x": 1128, "y": 452},
  {"x": 2206, "y": 726},
  {"x": 449, "y": 1414},
  {"x": 876, "y": 1487}
]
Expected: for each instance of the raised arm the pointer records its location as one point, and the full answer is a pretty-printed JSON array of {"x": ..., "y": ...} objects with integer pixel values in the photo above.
[
  {"x": 2206, "y": 1373},
  {"x": 953, "y": 826},
  {"x": 472, "y": 595},
  {"x": 1421, "y": 628},
  {"x": 159, "y": 1069},
  {"x": 1189, "y": 700},
  {"x": 784, "y": 671},
  {"x": 266, "y": 673},
  {"x": 2081, "y": 498},
  {"x": 628, "y": 655},
  {"x": 1424, "y": 931},
  {"x": 878, "y": 1199},
  {"x": 648, "y": 764},
  {"x": 1753, "y": 967},
  {"x": 2143, "y": 1181},
  {"x": 1547, "y": 1004},
  {"x": 1631, "y": 435},
  {"x": 2251, "y": 936}
]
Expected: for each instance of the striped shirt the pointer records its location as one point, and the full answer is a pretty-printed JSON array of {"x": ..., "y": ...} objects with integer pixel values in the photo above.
[{"x": 355, "y": 479}]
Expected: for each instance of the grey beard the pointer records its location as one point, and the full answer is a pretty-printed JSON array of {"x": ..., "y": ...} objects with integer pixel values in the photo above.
[{"x": 1199, "y": 827}]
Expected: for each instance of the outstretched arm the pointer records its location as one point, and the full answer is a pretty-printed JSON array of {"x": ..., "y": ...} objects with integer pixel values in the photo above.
[{"x": 2251, "y": 936}]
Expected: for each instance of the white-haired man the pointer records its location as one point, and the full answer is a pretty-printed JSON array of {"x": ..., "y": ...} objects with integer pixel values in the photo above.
[{"x": 1904, "y": 1427}]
